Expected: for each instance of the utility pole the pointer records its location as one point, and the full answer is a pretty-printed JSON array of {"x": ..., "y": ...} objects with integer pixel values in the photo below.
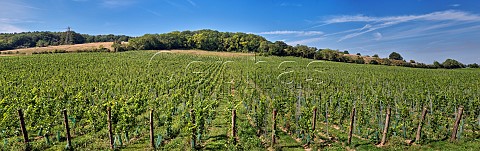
[{"x": 68, "y": 37}]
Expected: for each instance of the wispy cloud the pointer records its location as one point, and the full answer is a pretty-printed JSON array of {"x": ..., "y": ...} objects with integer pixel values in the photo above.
[
  {"x": 451, "y": 15},
  {"x": 455, "y": 5},
  {"x": 9, "y": 28},
  {"x": 350, "y": 30},
  {"x": 181, "y": 5},
  {"x": 285, "y": 4},
  {"x": 19, "y": 4},
  {"x": 16, "y": 12},
  {"x": 377, "y": 35},
  {"x": 117, "y": 3},
  {"x": 418, "y": 31},
  {"x": 305, "y": 41},
  {"x": 291, "y": 32},
  {"x": 153, "y": 12},
  {"x": 192, "y": 2},
  {"x": 377, "y": 23}
]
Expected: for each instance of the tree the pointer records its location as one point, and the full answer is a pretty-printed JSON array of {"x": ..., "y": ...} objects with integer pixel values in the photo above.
[
  {"x": 263, "y": 48},
  {"x": 346, "y": 52},
  {"x": 328, "y": 54},
  {"x": 358, "y": 54},
  {"x": 395, "y": 56},
  {"x": 375, "y": 56},
  {"x": 385, "y": 61},
  {"x": 275, "y": 49},
  {"x": 474, "y": 65},
  {"x": 41, "y": 39},
  {"x": 359, "y": 60},
  {"x": 42, "y": 43},
  {"x": 452, "y": 64},
  {"x": 436, "y": 64},
  {"x": 4, "y": 45},
  {"x": 412, "y": 61}
]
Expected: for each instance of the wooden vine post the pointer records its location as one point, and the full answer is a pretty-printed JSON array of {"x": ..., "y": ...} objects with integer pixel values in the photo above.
[
  {"x": 385, "y": 129},
  {"x": 67, "y": 129},
  {"x": 457, "y": 122},
  {"x": 109, "y": 120},
  {"x": 352, "y": 120},
  {"x": 314, "y": 118},
  {"x": 24, "y": 130},
  {"x": 420, "y": 124},
  {"x": 194, "y": 130},
  {"x": 152, "y": 135},
  {"x": 234, "y": 128},
  {"x": 273, "y": 127}
]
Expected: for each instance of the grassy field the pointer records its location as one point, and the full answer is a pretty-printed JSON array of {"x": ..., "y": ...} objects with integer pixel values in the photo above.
[
  {"x": 67, "y": 48},
  {"x": 173, "y": 83}
]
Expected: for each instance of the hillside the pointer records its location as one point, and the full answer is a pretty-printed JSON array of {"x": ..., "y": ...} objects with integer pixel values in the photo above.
[
  {"x": 67, "y": 48},
  {"x": 9, "y": 41}
]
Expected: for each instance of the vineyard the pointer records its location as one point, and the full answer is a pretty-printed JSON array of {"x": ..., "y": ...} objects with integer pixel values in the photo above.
[{"x": 170, "y": 101}]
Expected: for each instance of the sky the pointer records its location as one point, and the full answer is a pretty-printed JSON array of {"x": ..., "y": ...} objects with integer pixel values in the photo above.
[{"x": 421, "y": 30}]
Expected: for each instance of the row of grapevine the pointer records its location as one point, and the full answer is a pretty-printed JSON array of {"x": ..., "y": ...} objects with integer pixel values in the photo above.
[{"x": 191, "y": 95}]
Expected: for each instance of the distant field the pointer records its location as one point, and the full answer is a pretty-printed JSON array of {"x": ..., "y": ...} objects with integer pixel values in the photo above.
[
  {"x": 108, "y": 45},
  {"x": 209, "y": 53},
  {"x": 68, "y": 48}
]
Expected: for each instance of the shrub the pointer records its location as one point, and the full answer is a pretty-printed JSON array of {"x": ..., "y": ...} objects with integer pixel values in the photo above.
[
  {"x": 474, "y": 65},
  {"x": 452, "y": 64}
]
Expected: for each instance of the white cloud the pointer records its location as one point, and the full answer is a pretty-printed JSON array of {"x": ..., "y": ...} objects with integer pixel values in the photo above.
[
  {"x": 15, "y": 12},
  {"x": 373, "y": 28},
  {"x": 305, "y": 41},
  {"x": 418, "y": 31},
  {"x": 384, "y": 22},
  {"x": 179, "y": 5},
  {"x": 8, "y": 28},
  {"x": 455, "y": 5},
  {"x": 451, "y": 15},
  {"x": 290, "y": 32},
  {"x": 153, "y": 12},
  {"x": 350, "y": 30},
  {"x": 117, "y": 3},
  {"x": 191, "y": 2},
  {"x": 284, "y": 4},
  {"x": 377, "y": 35}
]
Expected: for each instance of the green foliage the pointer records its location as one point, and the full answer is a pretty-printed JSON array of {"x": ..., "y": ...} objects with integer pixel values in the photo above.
[
  {"x": 328, "y": 54},
  {"x": 206, "y": 39},
  {"x": 132, "y": 83},
  {"x": 474, "y": 65},
  {"x": 436, "y": 64},
  {"x": 386, "y": 61},
  {"x": 395, "y": 56},
  {"x": 359, "y": 60},
  {"x": 42, "y": 39},
  {"x": 452, "y": 64}
]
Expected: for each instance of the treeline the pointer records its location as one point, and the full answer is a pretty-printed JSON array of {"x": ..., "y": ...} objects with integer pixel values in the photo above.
[
  {"x": 212, "y": 40},
  {"x": 10, "y": 41}
]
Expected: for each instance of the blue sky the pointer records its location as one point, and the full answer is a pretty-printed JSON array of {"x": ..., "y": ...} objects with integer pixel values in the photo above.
[{"x": 422, "y": 30}]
